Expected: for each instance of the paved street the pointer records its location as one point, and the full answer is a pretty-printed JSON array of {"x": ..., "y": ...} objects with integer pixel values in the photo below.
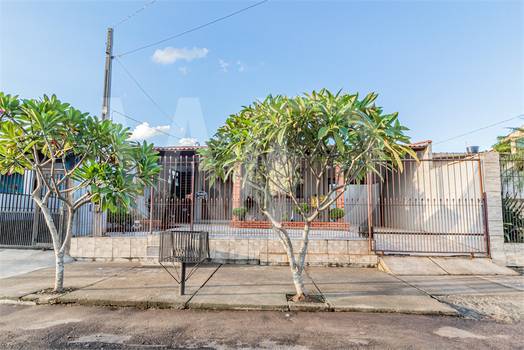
[{"x": 81, "y": 327}]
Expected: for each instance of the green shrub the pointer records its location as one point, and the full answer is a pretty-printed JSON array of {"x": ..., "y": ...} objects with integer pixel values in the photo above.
[
  {"x": 305, "y": 208},
  {"x": 121, "y": 216},
  {"x": 336, "y": 213},
  {"x": 513, "y": 219},
  {"x": 240, "y": 212},
  {"x": 314, "y": 201}
]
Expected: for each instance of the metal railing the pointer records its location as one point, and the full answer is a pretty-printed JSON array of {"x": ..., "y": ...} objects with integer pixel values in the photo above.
[
  {"x": 512, "y": 184},
  {"x": 21, "y": 222}
]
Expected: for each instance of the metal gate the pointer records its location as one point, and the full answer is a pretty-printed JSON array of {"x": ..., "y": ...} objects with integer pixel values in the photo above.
[
  {"x": 434, "y": 206},
  {"x": 22, "y": 224}
]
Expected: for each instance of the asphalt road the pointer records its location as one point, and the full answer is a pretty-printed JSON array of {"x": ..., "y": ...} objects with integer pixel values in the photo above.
[{"x": 79, "y": 327}]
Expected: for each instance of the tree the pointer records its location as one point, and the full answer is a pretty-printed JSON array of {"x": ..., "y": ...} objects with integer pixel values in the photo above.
[
  {"x": 61, "y": 145},
  {"x": 276, "y": 141},
  {"x": 512, "y": 143}
]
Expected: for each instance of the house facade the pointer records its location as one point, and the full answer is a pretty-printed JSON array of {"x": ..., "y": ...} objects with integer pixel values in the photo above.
[{"x": 443, "y": 204}]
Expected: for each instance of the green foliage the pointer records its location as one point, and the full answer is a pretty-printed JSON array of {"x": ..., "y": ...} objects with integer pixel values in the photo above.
[
  {"x": 513, "y": 218},
  {"x": 314, "y": 201},
  {"x": 240, "y": 212},
  {"x": 275, "y": 141},
  {"x": 123, "y": 217},
  {"x": 305, "y": 208},
  {"x": 336, "y": 213},
  {"x": 97, "y": 154},
  {"x": 318, "y": 125},
  {"x": 503, "y": 144},
  {"x": 285, "y": 216}
]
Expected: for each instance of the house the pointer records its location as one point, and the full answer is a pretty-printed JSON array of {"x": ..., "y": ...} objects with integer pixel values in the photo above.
[{"x": 441, "y": 204}]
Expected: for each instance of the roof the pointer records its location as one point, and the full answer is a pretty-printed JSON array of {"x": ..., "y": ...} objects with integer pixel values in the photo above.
[
  {"x": 422, "y": 145},
  {"x": 179, "y": 148}
]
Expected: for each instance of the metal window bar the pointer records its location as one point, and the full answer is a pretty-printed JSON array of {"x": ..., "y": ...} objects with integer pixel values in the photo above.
[{"x": 512, "y": 185}]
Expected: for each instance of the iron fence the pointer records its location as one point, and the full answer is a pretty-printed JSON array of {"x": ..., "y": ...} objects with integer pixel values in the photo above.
[
  {"x": 22, "y": 223},
  {"x": 512, "y": 184},
  {"x": 433, "y": 206}
]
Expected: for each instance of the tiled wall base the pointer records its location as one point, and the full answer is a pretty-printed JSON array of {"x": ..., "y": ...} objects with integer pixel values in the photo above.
[
  {"x": 513, "y": 254},
  {"x": 263, "y": 251}
]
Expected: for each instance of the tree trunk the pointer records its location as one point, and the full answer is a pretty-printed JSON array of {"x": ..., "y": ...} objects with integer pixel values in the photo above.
[
  {"x": 59, "y": 272},
  {"x": 299, "y": 284},
  {"x": 296, "y": 270},
  {"x": 59, "y": 256}
]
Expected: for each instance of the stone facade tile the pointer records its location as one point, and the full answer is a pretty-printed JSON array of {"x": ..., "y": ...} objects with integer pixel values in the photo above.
[{"x": 121, "y": 248}]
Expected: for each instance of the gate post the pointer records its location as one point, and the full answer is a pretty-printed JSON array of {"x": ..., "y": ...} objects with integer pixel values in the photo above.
[
  {"x": 192, "y": 213},
  {"x": 370, "y": 210},
  {"x": 151, "y": 204},
  {"x": 36, "y": 218},
  {"x": 493, "y": 205}
]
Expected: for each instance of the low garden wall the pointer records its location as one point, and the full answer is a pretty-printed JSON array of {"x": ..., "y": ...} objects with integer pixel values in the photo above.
[
  {"x": 263, "y": 251},
  {"x": 513, "y": 254}
]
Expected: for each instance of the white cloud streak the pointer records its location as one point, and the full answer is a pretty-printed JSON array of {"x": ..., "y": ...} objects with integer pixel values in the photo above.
[
  {"x": 224, "y": 66},
  {"x": 170, "y": 55},
  {"x": 242, "y": 67},
  {"x": 144, "y": 131},
  {"x": 187, "y": 141}
]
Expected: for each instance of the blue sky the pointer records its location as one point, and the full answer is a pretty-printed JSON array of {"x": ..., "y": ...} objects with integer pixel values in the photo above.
[{"x": 448, "y": 67}]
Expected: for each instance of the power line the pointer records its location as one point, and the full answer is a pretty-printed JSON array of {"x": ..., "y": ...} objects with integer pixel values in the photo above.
[
  {"x": 133, "y": 14},
  {"x": 192, "y": 30},
  {"x": 471, "y": 132},
  {"x": 144, "y": 91},
  {"x": 142, "y": 123}
]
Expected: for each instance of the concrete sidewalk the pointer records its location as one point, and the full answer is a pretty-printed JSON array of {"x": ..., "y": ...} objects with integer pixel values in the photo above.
[
  {"x": 243, "y": 287},
  {"x": 15, "y": 262}
]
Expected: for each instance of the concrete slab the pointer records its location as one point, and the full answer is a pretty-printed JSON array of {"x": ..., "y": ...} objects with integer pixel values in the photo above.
[
  {"x": 459, "y": 285},
  {"x": 77, "y": 275},
  {"x": 468, "y": 266},
  {"x": 141, "y": 287},
  {"x": 14, "y": 262},
  {"x": 235, "y": 287},
  {"x": 408, "y": 266},
  {"x": 516, "y": 282},
  {"x": 372, "y": 290}
]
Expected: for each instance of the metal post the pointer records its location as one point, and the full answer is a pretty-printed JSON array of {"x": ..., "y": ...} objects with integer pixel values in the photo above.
[
  {"x": 36, "y": 219},
  {"x": 106, "y": 105},
  {"x": 370, "y": 210},
  {"x": 151, "y": 201},
  {"x": 192, "y": 194},
  {"x": 182, "y": 278}
]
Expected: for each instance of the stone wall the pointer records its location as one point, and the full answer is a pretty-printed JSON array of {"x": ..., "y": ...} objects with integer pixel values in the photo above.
[
  {"x": 513, "y": 254},
  {"x": 263, "y": 251},
  {"x": 108, "y": 248},
  {"x": 321, "y": 252}
]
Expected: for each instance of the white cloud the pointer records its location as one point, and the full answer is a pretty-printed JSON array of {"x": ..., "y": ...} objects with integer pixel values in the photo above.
[
  {"x": 144, "y": 131},
  {"x": 187, "y": 141},
  {"x": 242, "y": 67},
  {"x": 169, "y": 55},
  {"x": 224, "y": 66},
  {"x": 183, "y": 70}
]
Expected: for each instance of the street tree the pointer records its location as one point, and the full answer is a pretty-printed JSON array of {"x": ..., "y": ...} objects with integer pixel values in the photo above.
[
  {"x": 72, "y": 153},
  {"x": 272, "y": 144}
]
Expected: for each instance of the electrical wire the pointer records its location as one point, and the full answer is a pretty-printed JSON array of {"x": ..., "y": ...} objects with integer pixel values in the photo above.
[
  {"x": 192, "y": 30},
  {"x": 142, "y": 123},
  {"x": 144, "y": 91},
  {"x": 133, "y": 14},
  {"x": 471, "y": 132}
]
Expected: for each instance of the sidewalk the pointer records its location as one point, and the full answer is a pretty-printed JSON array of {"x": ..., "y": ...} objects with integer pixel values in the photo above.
[{"x": 243, "y": 287}]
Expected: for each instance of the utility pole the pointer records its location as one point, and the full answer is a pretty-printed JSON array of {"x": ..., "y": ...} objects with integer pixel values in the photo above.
[{"x": 106, "y": 105}]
